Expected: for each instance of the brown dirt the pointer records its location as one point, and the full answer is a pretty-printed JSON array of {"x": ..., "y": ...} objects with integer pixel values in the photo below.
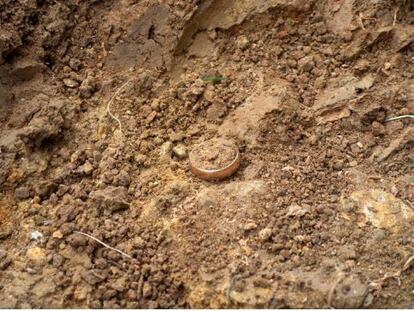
[{"x": 320, "y": 210}]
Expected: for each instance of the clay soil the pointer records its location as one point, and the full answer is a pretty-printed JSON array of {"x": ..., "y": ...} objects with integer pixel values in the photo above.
[{"x": 101, "y": 101}]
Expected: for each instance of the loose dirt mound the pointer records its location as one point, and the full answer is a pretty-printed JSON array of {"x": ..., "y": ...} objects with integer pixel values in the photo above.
[{"x": 100, "y": 102}]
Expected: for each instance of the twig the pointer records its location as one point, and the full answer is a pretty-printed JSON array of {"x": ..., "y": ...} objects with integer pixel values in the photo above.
[
  {"x": 108, "y": 107},
  {"x": 104, "y": 244},
  {"x": 400, "y": 117}
]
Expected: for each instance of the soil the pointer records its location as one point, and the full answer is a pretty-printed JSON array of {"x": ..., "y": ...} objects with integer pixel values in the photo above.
[
  {"x": 320, "y": 210},
  {"x": 213, "y": 154}
]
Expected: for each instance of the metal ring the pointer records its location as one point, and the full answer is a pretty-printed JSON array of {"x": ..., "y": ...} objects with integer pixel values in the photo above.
[{"x": 218, "y": 174}]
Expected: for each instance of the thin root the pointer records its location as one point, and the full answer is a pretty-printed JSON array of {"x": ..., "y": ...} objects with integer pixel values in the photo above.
[
  {"x": 408, "y": 263},
  {"x": 104, "y": 244},
  {"x": 401, "y": 117},
  {"x": 395, "y": 18},
  {"x": 108, "y": 107},
  {"x": 377, "y": 284}
]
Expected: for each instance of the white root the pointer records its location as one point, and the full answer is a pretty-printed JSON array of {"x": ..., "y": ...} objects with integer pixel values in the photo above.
[
  {"x": 104, "y": 244},
  {"x": 108, "y": 106}
]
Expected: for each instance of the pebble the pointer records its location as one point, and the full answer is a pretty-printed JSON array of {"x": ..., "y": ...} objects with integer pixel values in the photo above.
[
  {"x": 180, "y": 151},
  {"x": 265, "y": 234},
  {"x": 22, "y": 193},
  {"x": 147, "y": 290},
  {"x": 242, "y": 42},
  {"x": 306, "y": 63},
  {"x": 250, "y": 226},
  {"x": 70, "y": 83},
  {"x": 112, "y": 198},
  {"x": 92, "y": 277},
  {"x": 57, "y": 234}
]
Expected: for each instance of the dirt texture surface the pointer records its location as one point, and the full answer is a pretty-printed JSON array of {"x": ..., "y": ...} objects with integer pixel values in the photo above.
[{"x": 101, "y": 101}]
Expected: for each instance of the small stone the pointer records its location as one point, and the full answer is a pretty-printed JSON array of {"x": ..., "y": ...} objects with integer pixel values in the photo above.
[
  {"x": 378, "y": 129},
  {"x": 320, "y": 82},
  {"x": 70, "y": 83},
  {"x": 242, "y": 42},
  {"x": 86, "y": 168},
  {"x": 22, "y": 193},
  {"x": 151, "y": 116},
  {"x": 165, "y": 150},
  {"x": 112, "y": 198},
  {"x": 87, "y": 88},
  {"x": 147, "y": 290},
  {"x": 57, "y": 234},
  {"x": 306, "y": 63},
  {"x": 265, "y": 234},
  {"x": 4, "y": 260},
  {"x": 37, "y": 255},
  {"x": 77, "y": 240},
  {"x": 249, "y": 226},
  {"x": 75, "y": 64},
  {"x": 180, "y": 151},
  {"x": 387, "y": 66},
  {"x": 140, "y": 159},
  {"x": 348, "y": 252},
  {"x": 45, "y": 188},
  {"x": 92, "y": 277}
]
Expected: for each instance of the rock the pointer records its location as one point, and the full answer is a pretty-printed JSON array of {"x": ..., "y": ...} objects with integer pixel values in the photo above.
[
  {"x": 165, "y": 150},
  {"x": 382, "y": 209},
  {"x": 249, "y": 226},
  {"x": 22, "y": 193},
  {"x": 75, "y": 64},
  {"x": 24, "y": 70},
  {"x": 180, "y": 151},
  {"x": 348, "y": 252},
  {"x": 242, "y": 42},
  {"x": 306, "y": 63},
  {"x": 4, "y": 260},
  {"x": 122, "y": 179},
  {"x": 86, "y": 169},
  {"x": 92, "y": 277},
  {"x": 243, "y": 122},
  {"x": 296, "y": 210},
  {"x": 147, "y": 290},
  {"x": 45, "y": 188},
  {"x": 70, "y": 83},
  {"x": 350, "y": 293},
  {"x": 378, "y": 129},
  {"x": 57, "y": 234},
  {"x": 87, "y": 88},
  {"x": 265, "y": 234},
  {"x": 77, "y": 240},
  {"x": 37, "y": 255},
  {"x": 111, "y": 198},
  {"x": 207, "y": 198}
]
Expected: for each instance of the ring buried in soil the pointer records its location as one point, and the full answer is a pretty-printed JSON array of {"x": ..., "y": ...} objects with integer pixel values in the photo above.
[{"x": 213, "y": 154}]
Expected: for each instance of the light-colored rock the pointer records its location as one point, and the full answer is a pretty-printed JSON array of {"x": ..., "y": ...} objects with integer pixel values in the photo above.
[{"x": 381, "y": 209}]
